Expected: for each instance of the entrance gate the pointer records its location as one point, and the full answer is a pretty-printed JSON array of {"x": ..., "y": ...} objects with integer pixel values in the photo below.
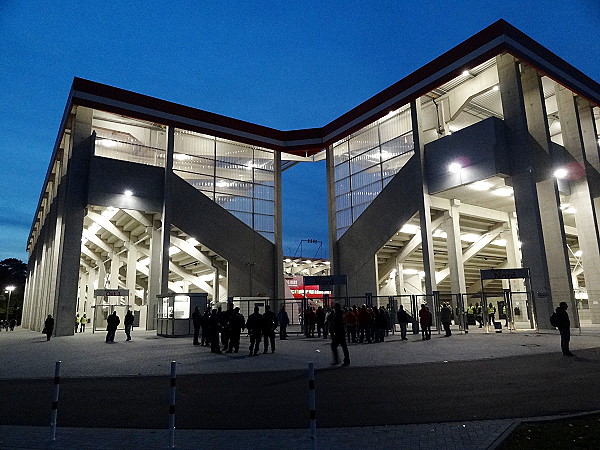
[{"x": 106, "y": 301}]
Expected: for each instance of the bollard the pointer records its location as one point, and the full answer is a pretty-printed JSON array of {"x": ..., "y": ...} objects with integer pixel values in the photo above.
[
  {"x": 54, "y": 411},
  {"x": 311, "y": 404},
  {"x": 172, "y": 405}
]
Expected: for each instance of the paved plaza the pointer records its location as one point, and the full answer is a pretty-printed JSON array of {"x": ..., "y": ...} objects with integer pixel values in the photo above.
[{"x": 398, "y": 385}]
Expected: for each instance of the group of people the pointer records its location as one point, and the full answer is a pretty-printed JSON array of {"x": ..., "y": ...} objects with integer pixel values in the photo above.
[
  {"x": 221, "y": 330},
  {"x": 366, "y": 324},
  {"x": 80, "y": 323},
  {"x": 112, "y": 323},
  {"x": 9, "y": 324}
]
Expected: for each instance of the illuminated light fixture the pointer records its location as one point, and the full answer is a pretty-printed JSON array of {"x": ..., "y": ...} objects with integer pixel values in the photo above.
[
  {"x": 466, "y": 73},
  {"x": 564, "y": 206},
  {"x": 454, "y": 167},
  {"x": 470, "y": 237},
  {"x": 386, "y": 155},
  {"x": 496, "y": 88},
  {"x": 440, "y": 234},
  {"x": 421, "y": 274},
  {"x": 452, "y": 128},
  {"x": 561, "y": 173},
  {"x": 410, "y": 271},
  {"x": 505, "y": 191},
  {"x": 222, "y": 184},
  {"x": 181, "y": 157},
  {"x": 192, "y": 241},
  {"x": 128, "y": 193},
  {"x": 108, "y": 143},
  {"x": 393, "y": 273},
  {"x": 390, "y": 114},
  {"x": 326, "y": 262},
  {"x": 174, "y": 251},
  {"x": 481, "y": 185},
  {"x": 578, "y": 254},
  {"x": 308, "y": 261},
  {"x": 144, "y": 262},
  {"x": 287, "y": 260},
  {"x": 409, "y": 228},
  {"x": 569, "y": 210},
  {"x": 500, "y": 242}
]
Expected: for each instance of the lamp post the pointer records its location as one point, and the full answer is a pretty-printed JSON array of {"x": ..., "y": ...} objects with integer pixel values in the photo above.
[{"x": 8, "y": 289}]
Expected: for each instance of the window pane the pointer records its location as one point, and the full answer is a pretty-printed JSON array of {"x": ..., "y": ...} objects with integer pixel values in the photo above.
[
  {"x": 264, "y": 192},
  {"x": 182, "y": 161},
  {"x": 232, "y": 203},
  {"x": 397, "y": 146},
  {"x": 340, "y": 153},
  {"x": 358, "y": 210},
  {"x": 364, "y": 160},
  {"x": 200, "y": 182},
  {"x": 342, "y": 186},
  {"x": 233, "y": 171},
  {"x": 269, "y": 236},
  {"x": 232, "y": 152},
  {"x": 364, "y": 141},
  {"x": 341, "y": 231},
  {"x": 366, "y": 177},
  {"x": 244, "y": 217},
  {"x": 264, "y": 207},
  {"x": 365, "y": 194},
  {"x": 342, "y": 201},
  {"x": 233, "y": 187},
  {"x": 263, "y": 223},
  {"x": 393, "y": 166},
  {"x": 396, "y": 126},
  {"x": 195, "y": 144},
  {"x": 263, "y": 176},
  {"x": 341, "y": 171},
  {"x": 343, "y": 218},
  {"x": 264, "y": 160}
]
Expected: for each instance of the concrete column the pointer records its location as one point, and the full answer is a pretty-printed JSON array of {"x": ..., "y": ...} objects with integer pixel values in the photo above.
[
  {"x": 279, "y": 288},
  {"x": 72, "y": 203},
  {"x": 154, "y": 274},
  {"x": 589, "y": 133},
  {"x": 399, "y": 278},
  {"x": 115, "y": 264},
  {"x": 537, "y": 204},
  {"x": 453, "y": 243},
  {"x": 83, "y": 281},
  {"x": 102, "y": 282},
  {"x": 92, "y": 280},
  {"x": 131, "y": 274},
  {"x": 166, "y": 215},
  {"x": 581, "y": 199},
  {"x": 331, "y": 217},
  {"x": 424, "y": 207},
  {"x": 513, "y": 253},
  {"x": 216, "y": 284}
]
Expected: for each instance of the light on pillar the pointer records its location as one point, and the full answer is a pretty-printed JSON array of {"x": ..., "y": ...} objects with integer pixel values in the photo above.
[
  {"x": 561, "y": 173},
  {"x": 8, "y": 290},
  {"x": 128, "y": 193},
  {"x": 454, "y": 167}
]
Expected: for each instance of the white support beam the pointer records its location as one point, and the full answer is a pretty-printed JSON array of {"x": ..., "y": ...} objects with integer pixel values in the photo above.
[
  {"x": 108, "y": 225},
  {"x": 470, "y": 210},
  {"x": 139, "y": 216},
  {"x": 191, "y": 278},
  {"x": 94, "y": 239}
]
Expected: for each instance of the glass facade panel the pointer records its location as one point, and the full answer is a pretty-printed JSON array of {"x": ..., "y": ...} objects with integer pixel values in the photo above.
[
  {"x": 365, "y": 177},
  {"x": 372, "y": 156},
  {"x": 239, "y": 177}
]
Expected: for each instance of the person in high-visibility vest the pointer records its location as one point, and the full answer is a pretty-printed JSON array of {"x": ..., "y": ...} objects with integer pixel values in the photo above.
[
  {"x": 491, "y": 314},
  {"x": 82, "y": 323},
  {"x": 479, "y": 314}
]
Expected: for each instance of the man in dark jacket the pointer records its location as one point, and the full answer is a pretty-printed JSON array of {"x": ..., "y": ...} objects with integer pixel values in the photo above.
[
  {"x": 112, "y": 322},
  {"x": 339, "y": 336},
  {"x": 129, "y": 318},
  {"x": 269, "y": 325},
  {"x": 205, "y": 327},
  {"x": 402, "y": 321},
  {"x": 445, "y": 315},
  {"x": 214, "y": 326},
  {"x": 236, "y": 325},
  {"x": 254, "y": 326},
  {"x": 196, "y": 319},
  {"x": 48, "y": 327},
  {"x": 564, "y": 327}
]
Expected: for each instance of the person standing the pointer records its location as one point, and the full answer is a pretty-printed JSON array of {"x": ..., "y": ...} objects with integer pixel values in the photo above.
[
  {"x": 269, "y": 324},
  {"x": 425, "y": 320},
  {"x": 284, "y": 321},
  {"x": 214, "y": 326},
  {"x": 82, "y": 322},
  {"x": 196, "y": 319},
  {"x": 339, "y": 336},
  {"x": 445, "y": 314},
  {"x": 254, "y": 326},
  {"x": 76, "y": 322},
  {"x": 564, "y": 327},
  {"x": 48, "y": 327},
  {"x": 205, "y": 328},
  {"x": 491, "y": 315},
  {"x": 402, "y": 321},
  {"x": 237, "y": 323},
  {"x": 112, "y": 322},
  {"x": 128, "y": 321}
]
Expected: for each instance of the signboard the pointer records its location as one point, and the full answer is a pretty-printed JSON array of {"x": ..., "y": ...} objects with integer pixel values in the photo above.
[
  {"x": 111, "y": 292},
  {"x": 298, "y": 289},
  {"x": 504, "y": 274}
]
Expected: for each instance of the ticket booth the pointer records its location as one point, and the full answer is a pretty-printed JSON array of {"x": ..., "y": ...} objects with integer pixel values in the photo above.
[
  {"x": 174, "y": 316},
  {"x": 105, "y": 302}
]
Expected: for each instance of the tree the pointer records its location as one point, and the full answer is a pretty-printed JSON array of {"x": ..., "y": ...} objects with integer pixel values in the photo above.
[{"x": 13, "y": 272}]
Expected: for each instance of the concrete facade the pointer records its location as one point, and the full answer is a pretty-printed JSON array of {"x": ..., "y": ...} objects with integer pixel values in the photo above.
[{"x": 449, "y": 171}]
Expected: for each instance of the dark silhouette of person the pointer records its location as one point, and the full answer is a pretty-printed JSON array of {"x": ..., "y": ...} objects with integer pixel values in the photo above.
[
  {"x": 128, "y": 322},
  {"x": 564, "y": 327},
  {"x": 284, "y": 321},
  {"x": 12, "y": 324},
  {"x": 339, "y": 336},
  {"x": 236, "y": 324},
  {"x": 112, "y": 322},
  {"x": 48, "y": 327},
  {"x": 214, "y": 326},
  {"x": 445, "y": 314},
  {"x": 425, "y": 319},
  {"x": 269, "y": 322},
  {"x": 224, "y": 321},
  {"x": 364, "y": 321},
  {"x": 320, "y": 320},
  {"x": 254, "y": 325},
  {"x": 196, "y": 320},
  {"x": 402, "y": 321},
  {"x": 205, "y": 328}
]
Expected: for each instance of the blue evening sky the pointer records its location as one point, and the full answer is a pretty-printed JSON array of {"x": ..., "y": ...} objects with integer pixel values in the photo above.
[{"x": 281, "y": 64}]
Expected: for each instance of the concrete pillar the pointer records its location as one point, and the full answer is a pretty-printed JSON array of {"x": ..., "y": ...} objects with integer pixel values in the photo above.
[
  {"x": 399, "y": 278},
  {"x": 424, "y": 207},
  {"x": 72, "y": 203},
  {"x": 83, "y": 281},
  {"x": 331, "y": 217},
  {"x": 154, "y": 274},
  {"x": 537, "y": 204},
  {"x": 513, "y": 253},
  {"x": 166, "y": 215},
  {"x": 453, "y": 243},
  {"x": 279, "y": 288},
  {"x": 131, "y": 273},
  {"x": 115, "y": 264},
  {"x": 589, "y": 133},
  {"x": 581, "y": 199},
  {"x": 216, "y": 284},
  {"x": 92, "y": 283}
]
